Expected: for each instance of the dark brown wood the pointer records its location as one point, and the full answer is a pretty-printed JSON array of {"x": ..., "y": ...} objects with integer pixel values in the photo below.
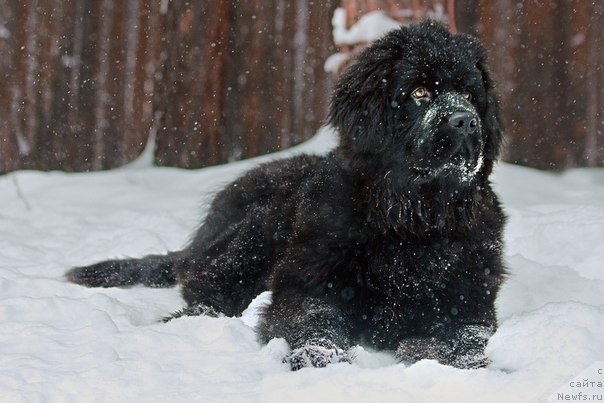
[
  {"x": 402, "y": 11},
  {"x": 242, "y": 78},
  {"x": 71, "y": 83},
  {"x": 548, "y": 60},
  {"x": 85, "y": 83}
]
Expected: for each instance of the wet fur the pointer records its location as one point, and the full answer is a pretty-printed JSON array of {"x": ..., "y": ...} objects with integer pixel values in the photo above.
[{"x": 373, "y": 244}]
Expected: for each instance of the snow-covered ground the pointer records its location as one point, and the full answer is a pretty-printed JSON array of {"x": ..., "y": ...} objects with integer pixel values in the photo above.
[{"x": 62, "y": 342}]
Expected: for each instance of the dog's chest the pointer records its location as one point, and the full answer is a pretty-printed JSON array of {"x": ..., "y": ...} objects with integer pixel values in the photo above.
[
  {"x": 409, "y": 269},
  {"x": 412, "y": 286}
]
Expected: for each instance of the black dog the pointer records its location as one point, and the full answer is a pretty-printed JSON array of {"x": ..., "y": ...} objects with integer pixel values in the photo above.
[{"x": 392, "y": 241}]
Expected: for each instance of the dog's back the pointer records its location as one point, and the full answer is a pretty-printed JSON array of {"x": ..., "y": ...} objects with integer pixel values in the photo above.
[{"x": 229, "y": 259}]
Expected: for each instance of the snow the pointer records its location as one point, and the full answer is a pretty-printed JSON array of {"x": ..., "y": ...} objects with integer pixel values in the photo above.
[
  {"x": 371, "y": 26},
  {"x": 62, "y": 342},
  {"x": 368, "y": 28},
  {"x": 334, "y": 62}
]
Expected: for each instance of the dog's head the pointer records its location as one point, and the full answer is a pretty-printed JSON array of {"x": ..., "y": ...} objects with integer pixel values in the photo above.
[{"x": 421, "y": 102}]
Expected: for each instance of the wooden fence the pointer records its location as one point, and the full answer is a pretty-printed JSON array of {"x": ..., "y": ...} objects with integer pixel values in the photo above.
[
  {"x": 549, "y": 61},
  {"x": 85, "y": 83}
]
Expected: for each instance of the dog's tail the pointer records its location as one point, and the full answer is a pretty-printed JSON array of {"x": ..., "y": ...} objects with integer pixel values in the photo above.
[{"x": 151, "y": 271}]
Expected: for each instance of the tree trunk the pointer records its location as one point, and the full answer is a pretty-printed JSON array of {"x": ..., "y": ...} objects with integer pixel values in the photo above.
[
  {"x": 73, "y": 83},
  {"x": 549, "y": 63},
  {"x": 241, "y": 78},
  {"x": 85, "y": 82}
]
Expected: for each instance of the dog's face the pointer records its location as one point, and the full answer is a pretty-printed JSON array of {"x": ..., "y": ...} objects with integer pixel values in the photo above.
[
  {"x": 420, "y": 101},
  {"x": 440, "y": 116}
]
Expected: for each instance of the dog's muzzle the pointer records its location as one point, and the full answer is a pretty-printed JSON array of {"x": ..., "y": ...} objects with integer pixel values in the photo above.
[
  {"x": 452, "y": 110},
  {"x": 451, "y": 124}
]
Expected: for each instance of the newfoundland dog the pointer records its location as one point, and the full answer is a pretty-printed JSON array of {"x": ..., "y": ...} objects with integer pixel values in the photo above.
[{"x": 393, "y": 240}]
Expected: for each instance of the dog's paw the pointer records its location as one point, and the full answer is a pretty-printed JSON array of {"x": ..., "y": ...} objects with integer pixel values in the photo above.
[
  {"x": 463, "y": 349},
  {"x": 470, "y": 345},
  {"x": 317, "y": 353},
  {"x": 470, "y": 361},
  {"x": 423, "y": 348}
]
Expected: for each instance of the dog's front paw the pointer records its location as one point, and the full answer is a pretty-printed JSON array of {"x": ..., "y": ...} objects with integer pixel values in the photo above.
[
  {"x": 470, "y": 361},
  {"x": 423, "y": 348},
  {"x": 469, "y": 349},
  {"x": 464, "y": 347},
  {"x": 315, "y": 353}
]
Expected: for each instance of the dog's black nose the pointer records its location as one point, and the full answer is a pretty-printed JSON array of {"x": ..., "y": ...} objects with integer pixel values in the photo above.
[{"x": 463, "y": 122}]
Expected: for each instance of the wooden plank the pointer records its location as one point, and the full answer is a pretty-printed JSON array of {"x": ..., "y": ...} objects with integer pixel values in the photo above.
[{"x": 241, "y": 79}]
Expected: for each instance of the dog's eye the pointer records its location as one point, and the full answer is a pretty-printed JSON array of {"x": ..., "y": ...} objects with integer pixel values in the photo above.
[
  {"x": 467, "y": 95},
  {"x": 420, "y": 93}
]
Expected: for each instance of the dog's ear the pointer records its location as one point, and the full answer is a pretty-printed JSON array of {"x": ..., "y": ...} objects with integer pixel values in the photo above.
[{"x": 361, "y": 106}]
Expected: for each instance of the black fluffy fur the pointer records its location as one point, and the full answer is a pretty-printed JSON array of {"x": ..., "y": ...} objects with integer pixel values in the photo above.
[{"x": 378, "y": 243}]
